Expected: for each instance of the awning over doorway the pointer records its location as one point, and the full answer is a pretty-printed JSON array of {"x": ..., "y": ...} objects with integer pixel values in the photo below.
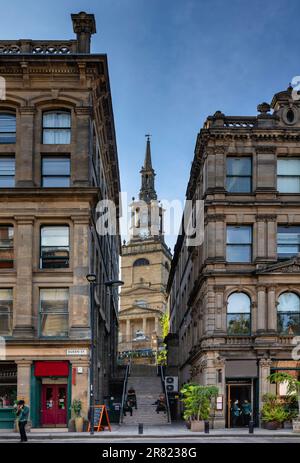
[
  {"x": 241, "y": 369},
  {"x": 51, "y": 369}
]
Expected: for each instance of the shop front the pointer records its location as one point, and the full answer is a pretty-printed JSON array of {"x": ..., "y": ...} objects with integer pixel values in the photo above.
[
  {"x": 242, "y": 393},
  {"x": 8, "y": 394},
  {"x": 51, "y": 384}
]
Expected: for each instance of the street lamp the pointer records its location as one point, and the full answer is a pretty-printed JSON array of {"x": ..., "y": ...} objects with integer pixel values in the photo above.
[{"x": 92, "y": 279}]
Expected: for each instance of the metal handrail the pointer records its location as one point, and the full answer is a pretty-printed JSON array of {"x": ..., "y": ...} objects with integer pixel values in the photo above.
[
  {"x": 127, "y": 374},
  {"x": 165, "y": 392}
]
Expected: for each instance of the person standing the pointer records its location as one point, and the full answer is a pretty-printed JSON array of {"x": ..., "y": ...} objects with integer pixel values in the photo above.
[
  {"x": 236, "y": 411},
  {"x": 246, "y": 412},
  {"x": 22, "y": 414}
]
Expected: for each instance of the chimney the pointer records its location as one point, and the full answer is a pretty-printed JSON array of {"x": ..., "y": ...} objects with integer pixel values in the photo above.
[{"x": 84, "y": 26}]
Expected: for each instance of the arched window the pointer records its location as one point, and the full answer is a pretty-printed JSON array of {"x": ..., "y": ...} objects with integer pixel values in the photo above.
[
  {"x": 7, "y": 127},
  {"x": 239, "y": 314},
  {"x": 288, "y": 314},
  {"x": 140, "y": 262},
  {"x": 57, "y": 127}
]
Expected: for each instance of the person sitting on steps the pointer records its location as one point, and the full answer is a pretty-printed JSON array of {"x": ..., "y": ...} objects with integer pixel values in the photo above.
[
  {"x": 131, "y": 395},
  {"x": 161, "y": 404},
  {"x": 128, "y": 407}
]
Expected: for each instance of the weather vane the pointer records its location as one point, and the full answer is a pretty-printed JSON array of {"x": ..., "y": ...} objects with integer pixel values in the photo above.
[{"x": 148, "y": 135}]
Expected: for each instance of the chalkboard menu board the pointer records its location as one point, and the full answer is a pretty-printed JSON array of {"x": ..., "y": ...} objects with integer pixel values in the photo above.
[{"x": 101, "y": 420}]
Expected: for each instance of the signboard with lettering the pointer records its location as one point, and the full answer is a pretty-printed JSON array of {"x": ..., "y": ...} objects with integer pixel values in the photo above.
[
  {"x": 77, "y": 352},
  {"x": 101, "y": 420}
]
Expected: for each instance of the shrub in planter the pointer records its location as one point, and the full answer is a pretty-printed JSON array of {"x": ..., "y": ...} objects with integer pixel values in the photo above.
[
  {"x": 77, "y": 406},
  {"x": 273, "y": 413},
  {"x": 293, "y": 389},
  {"x": 197, "y": 404}
]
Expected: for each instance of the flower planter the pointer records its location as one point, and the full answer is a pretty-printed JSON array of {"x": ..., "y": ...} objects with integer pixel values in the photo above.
[
  {"x": 296, "y": 425},
  {"x": 197, "y": 426},
  {"x": 79, "y": 423},
  {"x": 272, "y": 425}
]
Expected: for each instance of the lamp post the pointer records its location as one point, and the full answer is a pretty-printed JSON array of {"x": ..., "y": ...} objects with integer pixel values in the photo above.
[{"x": 92, "y": 279}]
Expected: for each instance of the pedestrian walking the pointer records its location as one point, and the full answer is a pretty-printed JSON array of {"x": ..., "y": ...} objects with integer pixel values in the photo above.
[
  {"x": 246, "y": 412},
  {"x": 236, "y": 411},
  {"x": 22, "y": 414}
]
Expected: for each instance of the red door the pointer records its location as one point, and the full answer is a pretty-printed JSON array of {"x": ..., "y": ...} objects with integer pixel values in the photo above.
[{"x": 54, "y": 405}]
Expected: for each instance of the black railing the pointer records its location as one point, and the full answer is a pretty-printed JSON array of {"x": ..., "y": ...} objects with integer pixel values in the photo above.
[{"x": 124, "y": 394}]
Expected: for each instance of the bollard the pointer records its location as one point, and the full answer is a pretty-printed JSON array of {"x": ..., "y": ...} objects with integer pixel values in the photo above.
[
  {"x": 251, "y": 427},
  {"x": 206, "y": 427},
  {"x": 141, "y": 428}
]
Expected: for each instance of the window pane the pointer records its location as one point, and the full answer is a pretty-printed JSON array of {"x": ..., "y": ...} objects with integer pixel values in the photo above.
[
  {"x": 55, "y": 136},
  {"x": 288, "y": 184},
  {"x": 238, "y": 184},
  {"x": 238, "y": 324},
  {"x": 289, "y": 302},
  {"x": 6, "y": 307},
  {"x": 239, "y": 235},
  {"x": 54, "y": 311},
  {"x": 288, "y": 167},
  {"x": 55, "y": 236},
  {"x": 236, "y": 253},
  {"x": 56, "y": 166},
  {"x": 57, "y": 119},
  {"x": 288, "y": 323},
  {"x": 6, "y": 247},
  {"x": 238, "y": 303},
  {"x": 239, "y": 166},
  {"x": 56, "y": 182},
  {"x": 7, "y": 166},
  {"x": 7, "y": 128}
]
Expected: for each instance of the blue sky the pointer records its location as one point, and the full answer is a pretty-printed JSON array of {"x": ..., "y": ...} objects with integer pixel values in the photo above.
[{"x": 172, "y": 63}]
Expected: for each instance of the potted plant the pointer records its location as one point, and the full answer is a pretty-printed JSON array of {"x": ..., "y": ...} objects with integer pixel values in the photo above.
[
  {"x": 273, "y": 413},
  {"x": 293, "y": 389},
  {"x": 77, "y": 406},
  {"x": 197, "y": 404}
]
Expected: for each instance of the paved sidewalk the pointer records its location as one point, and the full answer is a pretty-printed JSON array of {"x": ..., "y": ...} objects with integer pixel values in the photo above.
[{"x": 127, "y": 431}]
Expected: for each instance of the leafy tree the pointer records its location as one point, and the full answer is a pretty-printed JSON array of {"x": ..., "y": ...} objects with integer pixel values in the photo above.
[{"x": 293, "y": 384}]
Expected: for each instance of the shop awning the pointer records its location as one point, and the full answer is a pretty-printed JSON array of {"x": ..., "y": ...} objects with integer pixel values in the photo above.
[{"x": 51, "y": 369}]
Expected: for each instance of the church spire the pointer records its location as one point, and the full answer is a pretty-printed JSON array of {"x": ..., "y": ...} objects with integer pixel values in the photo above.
[{"x": 147, "y": 191}]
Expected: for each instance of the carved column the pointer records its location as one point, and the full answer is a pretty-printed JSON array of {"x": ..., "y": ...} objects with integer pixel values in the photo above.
[
  {"x": 79, "y": 301},
  {"x": 24, "y": 148},
  {"x": 80, "y": 162},
  {"x": 264, "y": 384},
  {"x": 272, "y": 311},
  {"x": 24, "y": 375},
  {"x": 23, "y": 314},
  {"x": 261, "y": 308}
]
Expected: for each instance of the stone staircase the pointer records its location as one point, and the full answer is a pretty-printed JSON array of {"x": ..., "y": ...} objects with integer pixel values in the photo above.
[{"x": 147, "y": 386}]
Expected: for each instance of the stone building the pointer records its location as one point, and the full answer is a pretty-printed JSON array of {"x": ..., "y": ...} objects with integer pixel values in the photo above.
[
  {"x": 58, "y": 158},
  {"x": 235, "y": 299},
  {"x": 145, "y": 265}
]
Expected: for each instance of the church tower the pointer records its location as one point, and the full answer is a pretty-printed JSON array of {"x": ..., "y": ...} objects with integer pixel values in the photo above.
[{"x": 145, "y": 266}]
